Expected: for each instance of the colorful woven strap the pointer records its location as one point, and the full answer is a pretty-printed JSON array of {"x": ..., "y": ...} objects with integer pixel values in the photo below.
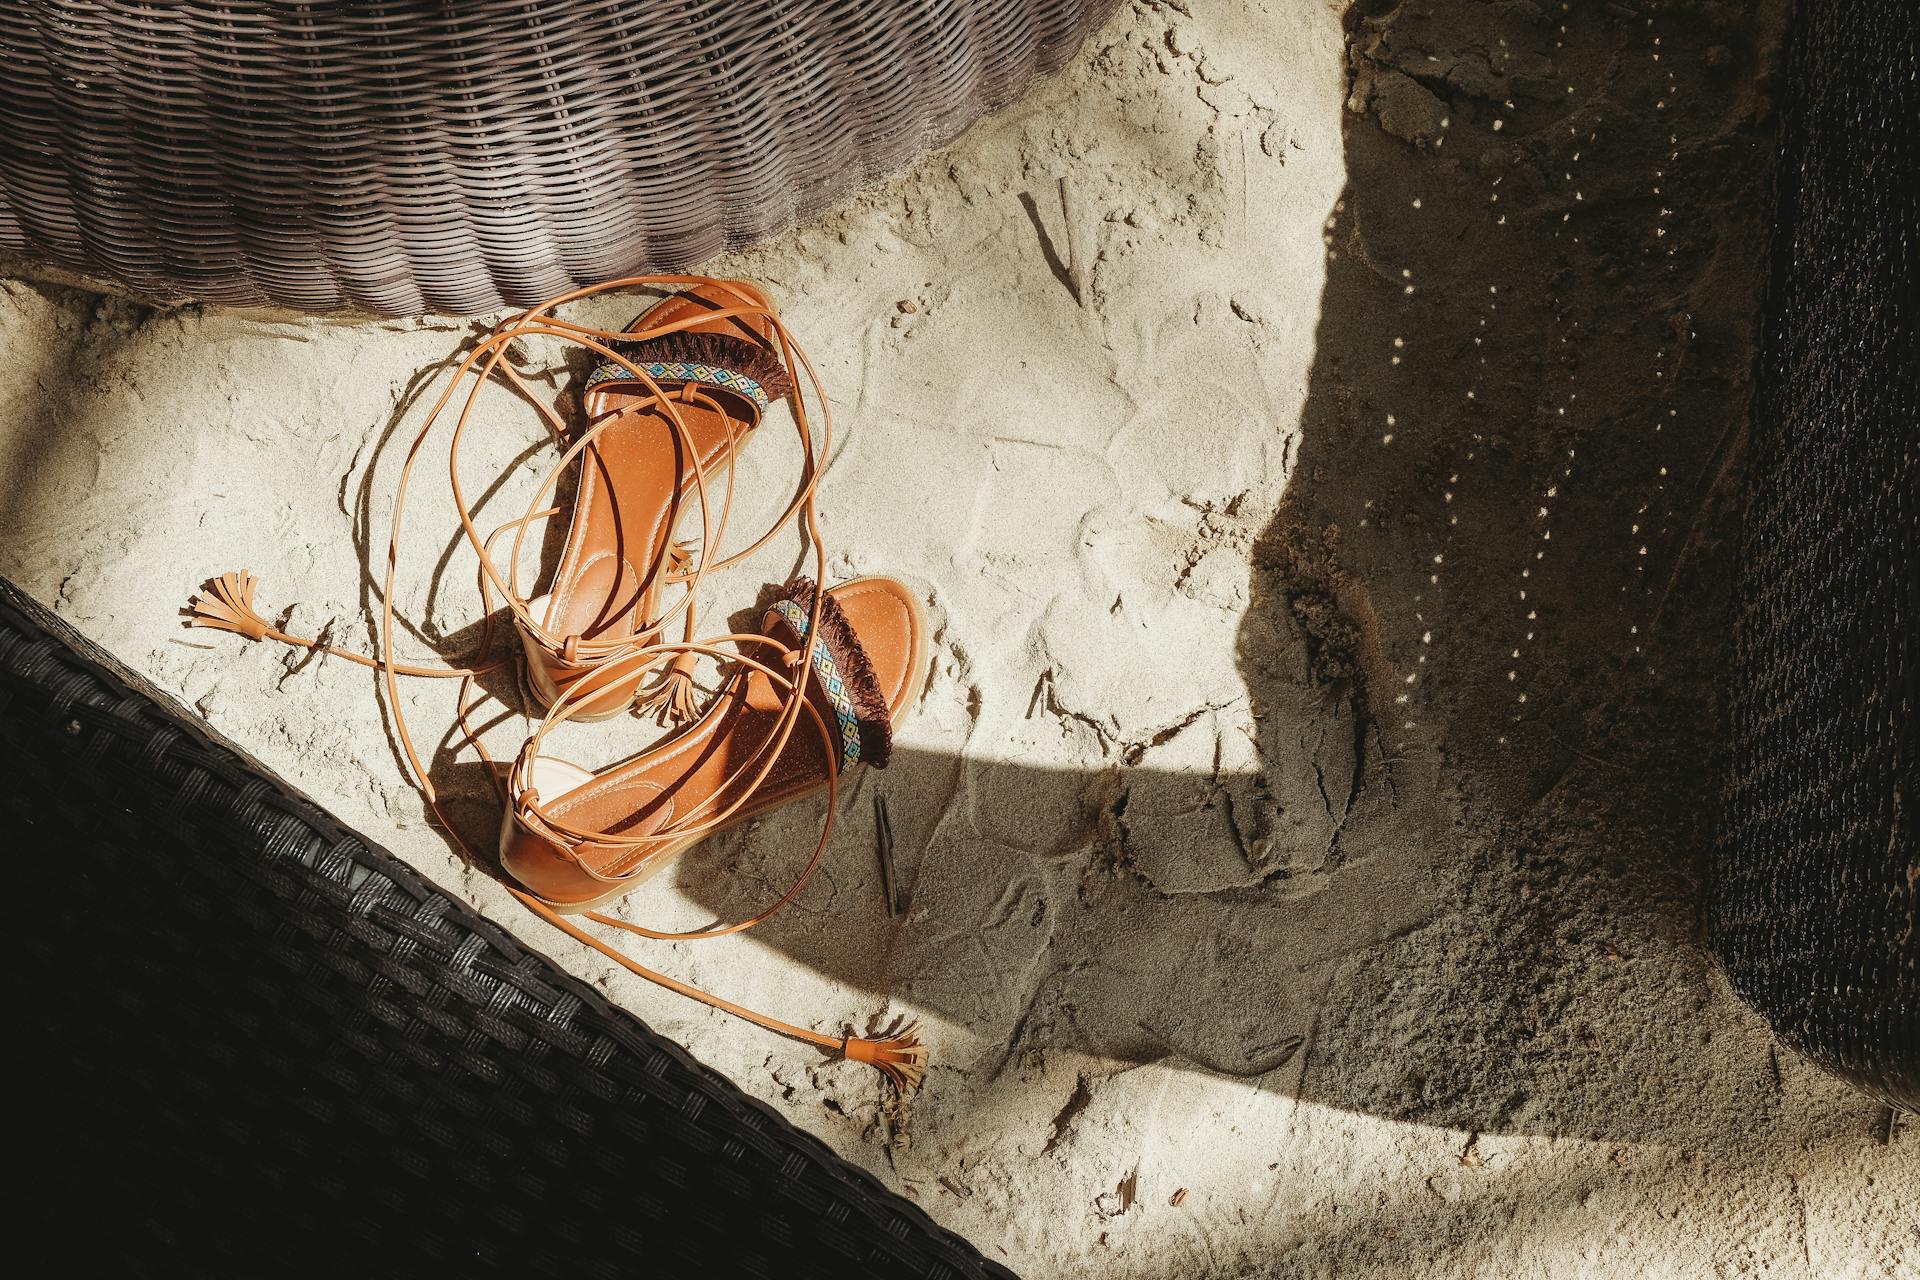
[
  {"x": 823, "y": 666},
  {"x": 684, "y": 371}
]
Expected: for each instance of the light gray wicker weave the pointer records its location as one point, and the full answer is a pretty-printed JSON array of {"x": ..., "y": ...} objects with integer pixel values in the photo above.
[{"x": 401, "y": 156}]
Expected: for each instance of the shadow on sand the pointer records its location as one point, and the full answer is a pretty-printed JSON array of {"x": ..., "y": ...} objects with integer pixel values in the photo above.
[{"x": 1494, "y": 595}]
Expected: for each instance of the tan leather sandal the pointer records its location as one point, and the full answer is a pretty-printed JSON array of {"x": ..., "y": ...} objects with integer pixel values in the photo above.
[
  {"x": 576, "y": 838},
  {"x": 785, "y": 726},
  {"x": 671, "y": 400},
  {"x": 712, "y": 351}
]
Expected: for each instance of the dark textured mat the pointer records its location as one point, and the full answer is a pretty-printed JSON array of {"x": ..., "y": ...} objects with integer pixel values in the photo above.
[
  {"x": 1816, "y": 908},
  {"x": 246, "y": 1041}
]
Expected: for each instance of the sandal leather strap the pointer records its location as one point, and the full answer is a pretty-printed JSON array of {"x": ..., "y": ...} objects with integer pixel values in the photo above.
[
  {"x": 711, "y": 359},
  {"x": 845, "y": 674}
]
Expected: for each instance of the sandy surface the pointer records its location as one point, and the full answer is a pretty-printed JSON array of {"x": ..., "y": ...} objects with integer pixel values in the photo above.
[{"x": 1314, "y": 454}]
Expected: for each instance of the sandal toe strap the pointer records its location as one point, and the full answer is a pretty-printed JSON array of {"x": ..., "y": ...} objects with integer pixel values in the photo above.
[
  {"x": 845, "y": 675},
  {"x": 713, "y": 359}
]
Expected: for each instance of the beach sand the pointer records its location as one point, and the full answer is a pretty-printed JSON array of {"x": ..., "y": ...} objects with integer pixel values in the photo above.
[{"x": 1316, "y": 440}]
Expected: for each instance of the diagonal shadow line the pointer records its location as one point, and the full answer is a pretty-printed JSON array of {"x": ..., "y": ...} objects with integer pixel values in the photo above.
[{"x": 1062, "y": 270}]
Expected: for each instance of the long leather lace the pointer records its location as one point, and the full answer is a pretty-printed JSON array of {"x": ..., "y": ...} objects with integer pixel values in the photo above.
[{"x": 899, "y": 1056}]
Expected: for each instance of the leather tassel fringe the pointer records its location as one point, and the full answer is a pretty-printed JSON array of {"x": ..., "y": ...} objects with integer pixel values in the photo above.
[
  {"x": 671, "y": 698},
  {"x": 899, "y": 1056},
  {"x": 755, "y": 359},
  {"x": 226, "y": 604}
]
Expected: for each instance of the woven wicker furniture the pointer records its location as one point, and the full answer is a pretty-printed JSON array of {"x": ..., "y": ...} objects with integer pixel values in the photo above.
[
  {"x": 401, "y": 156},
  {"x": 1816, "y": 901},
  {"x": 250, "y": 1042}
]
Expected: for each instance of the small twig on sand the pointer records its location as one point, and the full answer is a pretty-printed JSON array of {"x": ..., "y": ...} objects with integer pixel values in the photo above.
[
  {"x": 883, "y": 835},
  {"x": 1588, "y": 756},
  {"x": 1076, "y": 258},
  {"x": 1039, "y": 687}
]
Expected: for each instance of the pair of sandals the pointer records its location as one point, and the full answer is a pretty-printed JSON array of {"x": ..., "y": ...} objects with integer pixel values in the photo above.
[{"x": 816, "y": 691}]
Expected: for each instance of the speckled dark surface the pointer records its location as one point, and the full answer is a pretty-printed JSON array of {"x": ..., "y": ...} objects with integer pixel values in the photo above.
[{"x": 1816, "y": 906}]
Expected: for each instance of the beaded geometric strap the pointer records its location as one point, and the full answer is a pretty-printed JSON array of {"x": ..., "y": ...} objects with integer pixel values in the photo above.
[
  {"x": 823, "y": 666},
  {"x": 685, "y": 371}
]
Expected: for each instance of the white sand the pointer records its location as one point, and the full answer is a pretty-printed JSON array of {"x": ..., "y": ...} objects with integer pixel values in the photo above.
[{"x": 1235, "y": 859}]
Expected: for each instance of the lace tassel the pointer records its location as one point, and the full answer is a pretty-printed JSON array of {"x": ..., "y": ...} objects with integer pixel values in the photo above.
[
  {"x": 671, "y": 699},
  {"x": 899, "y": 1056},
  {"x": 227, "y": 605}
]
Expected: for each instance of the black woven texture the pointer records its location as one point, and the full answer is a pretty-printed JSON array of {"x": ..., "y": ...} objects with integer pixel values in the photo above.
[
  {"x": 1816, "y": 903},
  {"x": 401, "y": 156},
  {"x": 246, "y": 1041}
]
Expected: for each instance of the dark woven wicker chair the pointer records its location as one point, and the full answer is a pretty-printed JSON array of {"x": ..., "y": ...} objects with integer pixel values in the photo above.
[
  {"x": 246, "y": 1041},
  {"x": 1816, "y": 903},
  {"x": 420, "y": 155}
]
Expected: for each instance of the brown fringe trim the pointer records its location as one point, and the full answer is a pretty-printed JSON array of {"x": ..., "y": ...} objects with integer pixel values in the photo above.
[
  {"x": 718, "y": 349},
  {"x": 856, "y": 671}
]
